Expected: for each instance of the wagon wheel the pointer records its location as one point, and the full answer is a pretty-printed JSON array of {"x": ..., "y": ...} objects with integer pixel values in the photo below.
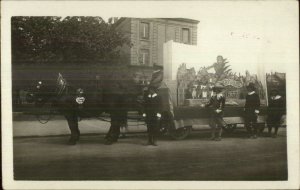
[
  {"x": 45, "y": 113},
  {"x": 229, "y": 128},
  {"x": 180, "y": 133}
]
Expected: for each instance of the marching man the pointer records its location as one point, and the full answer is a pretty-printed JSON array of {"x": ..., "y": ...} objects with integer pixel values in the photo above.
[
  {"x": 275, "y": 112},
  {"x": 152, "y": 115},
  {"x": 217, "y": 101},
  {"x": 251, "y": 111}
]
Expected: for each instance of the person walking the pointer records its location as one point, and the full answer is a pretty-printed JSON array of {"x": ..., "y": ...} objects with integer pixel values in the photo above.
[
  {"x": 217, "y": 101},
  {"x": 152, "y": 104},
  {"x": 251, "y": 109},
  {"x": 276, "y": 109}
]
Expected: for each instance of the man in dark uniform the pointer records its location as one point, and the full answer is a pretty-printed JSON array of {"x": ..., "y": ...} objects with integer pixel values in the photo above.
[
  {"x": 251, "y": 111},
  {"x": 152, "y": 104},
  {"x": 217, "y": 101},
  {"x": 276, "y": 110},
  {"x": 157, "y": 76}
]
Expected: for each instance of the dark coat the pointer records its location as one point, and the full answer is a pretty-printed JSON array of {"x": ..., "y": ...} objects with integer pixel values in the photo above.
[
  {"x": 152, "y": 106},
  {"x": 216, "y": 103},
  {"x": 276, "y": 109},
  {"x": 252, "y": 103}
]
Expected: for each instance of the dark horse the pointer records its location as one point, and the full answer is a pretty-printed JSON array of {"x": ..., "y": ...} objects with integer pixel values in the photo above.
[{"x": 74, "y": 101}]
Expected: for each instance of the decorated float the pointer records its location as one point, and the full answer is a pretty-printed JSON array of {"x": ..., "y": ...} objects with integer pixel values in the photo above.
[{"x": 186, "y": 89}]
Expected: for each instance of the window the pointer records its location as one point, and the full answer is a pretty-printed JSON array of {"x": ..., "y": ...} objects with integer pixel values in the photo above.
[
  {"x": 185, "y": 38},
  {"x": 144, "y": 57},
  {"x": 144, "y": 30}
]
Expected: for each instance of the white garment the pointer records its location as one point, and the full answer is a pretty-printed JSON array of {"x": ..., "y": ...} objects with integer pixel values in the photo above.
[
  {"x": 219, "y": 96},
  {"x": 276, "y": 97},
  {"x": 152, "y": 95}
]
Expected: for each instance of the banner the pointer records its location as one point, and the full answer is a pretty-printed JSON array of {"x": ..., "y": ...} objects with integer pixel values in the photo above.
[{"x": 231, "y": 82}]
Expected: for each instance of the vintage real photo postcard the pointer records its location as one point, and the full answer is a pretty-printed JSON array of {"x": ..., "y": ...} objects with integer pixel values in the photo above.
[{"x": 150, "y": 94}]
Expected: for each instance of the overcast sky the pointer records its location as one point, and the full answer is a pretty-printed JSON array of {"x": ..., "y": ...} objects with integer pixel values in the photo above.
[{"x": 248, "y": 33}]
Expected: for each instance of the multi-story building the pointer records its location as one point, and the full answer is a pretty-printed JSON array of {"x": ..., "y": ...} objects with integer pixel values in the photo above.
[{"x": 147, "y": 36}]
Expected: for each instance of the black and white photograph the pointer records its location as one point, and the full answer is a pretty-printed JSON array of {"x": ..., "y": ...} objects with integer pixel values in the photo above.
[{"x": 150, "y": 95}]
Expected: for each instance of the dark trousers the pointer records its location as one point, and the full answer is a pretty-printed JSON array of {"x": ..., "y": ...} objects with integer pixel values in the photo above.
[
  {"x": 118, "y": 118},
  {"x": 73, "y": 125},
  {"x": 273, "y": 121},
  {"x": 216, "y": 123},
  {"x": 251, "y": 123},
  {"x": 152, "y": 127}
]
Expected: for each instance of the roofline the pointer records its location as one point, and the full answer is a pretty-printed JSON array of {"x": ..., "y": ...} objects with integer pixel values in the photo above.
[
  {"x": 174, "y": 19},
  {"x": 183, "y": 19}
]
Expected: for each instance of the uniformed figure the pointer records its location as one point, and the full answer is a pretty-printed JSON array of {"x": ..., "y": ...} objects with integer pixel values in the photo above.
[
  {"x": 157, "y": 76},
  {"x": 217, "y": 102},
  {"x": 251, "y": 111},
  {"x": 152, "y": 104},
  {"x": 275, "y": 111}
]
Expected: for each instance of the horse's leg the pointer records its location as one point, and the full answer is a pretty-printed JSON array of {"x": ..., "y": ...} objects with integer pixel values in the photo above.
[
  {"x": 114, "y": 130},
  {"x": 73, "y": 125}
]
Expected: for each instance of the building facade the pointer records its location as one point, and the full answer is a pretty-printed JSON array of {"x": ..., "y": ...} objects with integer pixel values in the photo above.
[{"x": 147, "y": 36}]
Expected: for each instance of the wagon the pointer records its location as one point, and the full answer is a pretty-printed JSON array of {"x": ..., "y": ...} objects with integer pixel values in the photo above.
[{"x": 181, "y": 119}]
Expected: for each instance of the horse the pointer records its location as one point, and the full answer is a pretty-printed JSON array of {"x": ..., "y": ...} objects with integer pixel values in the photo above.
[{"x": 74, "y": 102}]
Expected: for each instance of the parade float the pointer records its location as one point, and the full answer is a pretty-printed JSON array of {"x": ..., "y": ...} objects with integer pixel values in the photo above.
[{"x": 186, "y": 89}]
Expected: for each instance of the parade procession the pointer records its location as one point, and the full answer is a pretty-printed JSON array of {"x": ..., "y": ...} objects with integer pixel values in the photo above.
[
  {"x": 147, "y": 98},
  {"x": 172, "y": 97},
  {"x": 213, "y": 96}
]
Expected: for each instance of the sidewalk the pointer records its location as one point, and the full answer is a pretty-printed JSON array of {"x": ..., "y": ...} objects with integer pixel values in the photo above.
[
  {"x": 28, "y": 125},
  {"x": 25, "y": 125}
]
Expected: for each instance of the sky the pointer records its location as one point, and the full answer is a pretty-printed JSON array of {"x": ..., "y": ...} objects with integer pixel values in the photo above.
[{"x": 250, "y": 34}]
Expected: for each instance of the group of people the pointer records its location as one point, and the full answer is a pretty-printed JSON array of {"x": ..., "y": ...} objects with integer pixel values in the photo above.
[{"x": 275, "y": 111}]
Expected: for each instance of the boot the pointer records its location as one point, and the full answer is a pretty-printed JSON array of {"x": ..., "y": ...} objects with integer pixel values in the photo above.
[
  {"x": 149, "y": 140},
  {"x": 219, "y": 135},
  {"x": 110, "y": 140},
  {"x": 154, "y": 141},
  {"x": 213, "y": 136},
  {"x": 73, "y": 140},
  {"x": 269, "y": 131}
]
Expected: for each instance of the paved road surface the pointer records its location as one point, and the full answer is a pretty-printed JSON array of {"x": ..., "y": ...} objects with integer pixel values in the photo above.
[{"x": 195, "y": 158}]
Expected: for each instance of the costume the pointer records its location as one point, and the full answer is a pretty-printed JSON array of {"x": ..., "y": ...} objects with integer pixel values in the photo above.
[
  {"x": 218, "y": 103},
  {"x": 276, "y": 110},
  {"x": 251, "y": 112}
]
